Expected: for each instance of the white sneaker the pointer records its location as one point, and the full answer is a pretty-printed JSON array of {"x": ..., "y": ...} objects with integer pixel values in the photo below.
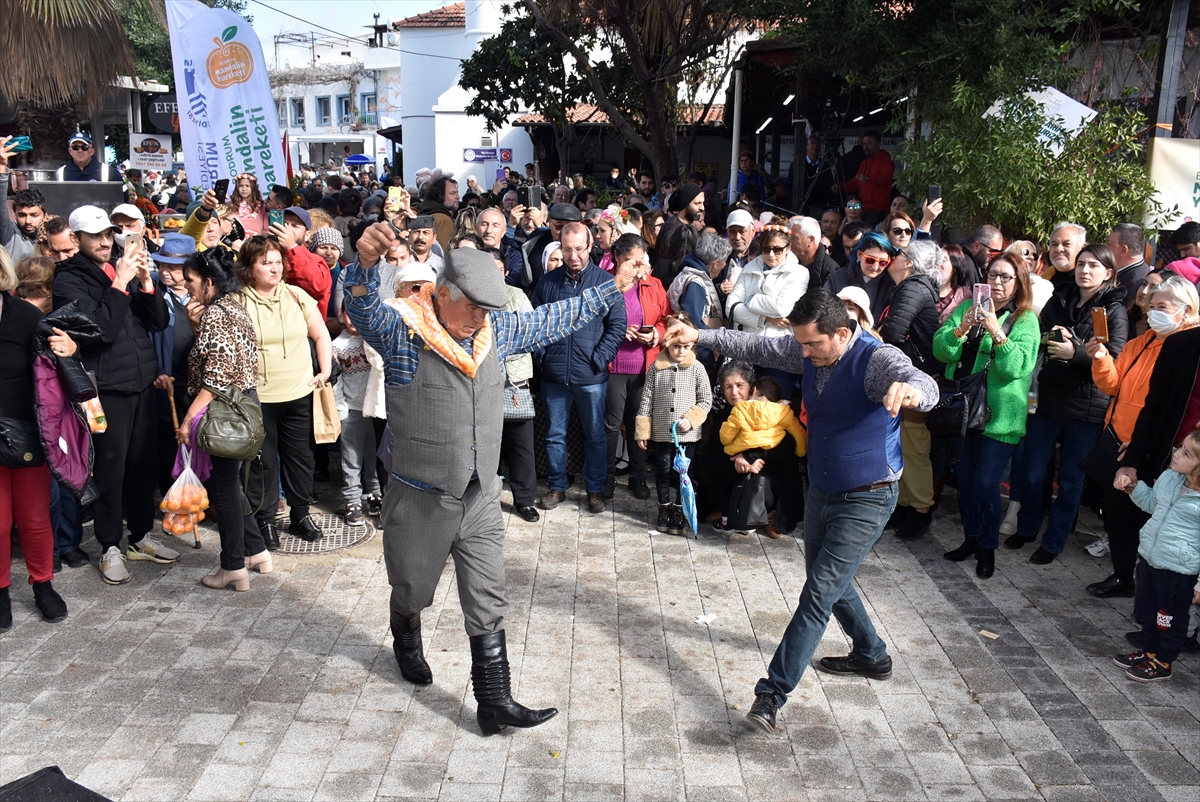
[
  {"x": 1097, "y": 548},
  {"x": 112, "y": 567},
  {"x": 150, "y": 549},
  {"x": 1009, "y": 525}
]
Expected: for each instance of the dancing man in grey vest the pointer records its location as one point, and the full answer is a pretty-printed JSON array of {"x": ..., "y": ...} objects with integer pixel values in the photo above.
[{"x": 443, "y": 352}]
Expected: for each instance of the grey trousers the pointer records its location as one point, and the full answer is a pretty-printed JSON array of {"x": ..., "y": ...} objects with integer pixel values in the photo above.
[
  {"x": 424, "y": 527},
  {"x": 358, "y": 457}
]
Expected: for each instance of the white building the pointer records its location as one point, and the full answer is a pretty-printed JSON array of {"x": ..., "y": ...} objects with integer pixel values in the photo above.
[{"x": 436, "y": 129}]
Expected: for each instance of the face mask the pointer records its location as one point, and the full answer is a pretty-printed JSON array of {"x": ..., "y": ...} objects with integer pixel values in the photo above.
[{"x": 1161, "y": 322}]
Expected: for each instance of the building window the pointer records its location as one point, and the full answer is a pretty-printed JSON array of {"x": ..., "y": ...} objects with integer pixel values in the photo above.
[
  {"x": 281, "y": 112},
  {"x": 297, "y": 112},
  {"x": 323, "y": 111},
  {"x": 367, "y": 108},
  {"x": 343, "y": 110}
]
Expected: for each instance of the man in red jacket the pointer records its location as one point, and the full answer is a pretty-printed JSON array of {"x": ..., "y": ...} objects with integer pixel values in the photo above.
[
  {"x": 874, "y": 180},
  {"x": 305, "y": 269}
]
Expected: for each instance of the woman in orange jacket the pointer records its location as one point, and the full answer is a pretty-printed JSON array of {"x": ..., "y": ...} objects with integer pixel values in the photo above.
[{"x": 1173, "y": 307}]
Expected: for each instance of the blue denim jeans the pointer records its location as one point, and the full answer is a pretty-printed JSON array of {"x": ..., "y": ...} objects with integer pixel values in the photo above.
[
  {"x": 839, "y": 530},
  {"x": 66, "y": 517},
  {"x": 1041, "y": 434},
  {"x": 589, "y": 399},
  {"x": 980, "y": 469}
]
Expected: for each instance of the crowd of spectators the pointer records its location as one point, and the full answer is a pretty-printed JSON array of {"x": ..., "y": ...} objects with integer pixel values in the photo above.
[{"x": 1083, "y": 342}]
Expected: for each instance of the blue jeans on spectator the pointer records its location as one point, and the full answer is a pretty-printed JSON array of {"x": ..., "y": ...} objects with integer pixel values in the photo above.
[
  {"x": 66, "y": 517},
  {"x": 1041, "y": 434},
  {"x": 839, "y": 530},
  {"x": 590, "y": 400},
  {"x": 980, "y": 469}
]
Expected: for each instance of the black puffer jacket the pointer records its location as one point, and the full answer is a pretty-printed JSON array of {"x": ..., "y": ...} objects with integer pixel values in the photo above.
[
  {"x": 880, "y": 290},
  {"x": 821, "y": 268},
  {"x": 124, "y": 361},
  {"x": 911, "y": 320},
  {"x": 1065, "y": 389}
]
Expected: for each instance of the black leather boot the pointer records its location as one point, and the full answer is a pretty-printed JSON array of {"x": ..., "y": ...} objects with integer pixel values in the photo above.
[
  {"x": 986, "y": 565},
  {"x": 969, "y": 548},
  {"x": 49, "y": 603},
  {"x": 493, "y": 688},
  {"x": 270, "y": 534},
  {"x": 5, "y": 610},
  {"x": 410, "y": 654}
]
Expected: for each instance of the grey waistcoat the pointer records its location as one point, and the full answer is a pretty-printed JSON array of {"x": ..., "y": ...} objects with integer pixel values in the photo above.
[{"x": 446, "y": 427}]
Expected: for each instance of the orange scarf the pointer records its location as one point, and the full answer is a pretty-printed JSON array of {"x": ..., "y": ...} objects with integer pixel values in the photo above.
[{"x": 418, "y": 314}]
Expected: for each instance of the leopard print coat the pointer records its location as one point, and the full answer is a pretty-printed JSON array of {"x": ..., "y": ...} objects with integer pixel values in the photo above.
[{"x": 226, "y": 349}]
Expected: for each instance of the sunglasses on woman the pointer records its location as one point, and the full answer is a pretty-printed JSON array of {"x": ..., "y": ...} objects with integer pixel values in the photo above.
[
  {"x": 871, "y": 261},
  {"x": 900, "y": 231},
  {"x": 854, "y": 207},
  {"x": 775, "y": 249}
]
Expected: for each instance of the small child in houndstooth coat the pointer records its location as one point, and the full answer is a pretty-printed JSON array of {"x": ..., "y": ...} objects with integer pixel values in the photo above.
[{"x": 677, "y": 389}]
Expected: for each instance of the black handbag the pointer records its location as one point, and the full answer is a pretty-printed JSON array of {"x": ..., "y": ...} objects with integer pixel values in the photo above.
[
  {"x": 962, "y": 409},
  {"x": 20, "y": 444},
  {"x": 232, "y": 426},
  {"x": 1102, "y": 462},
  {"x": 748, "y": 502}
]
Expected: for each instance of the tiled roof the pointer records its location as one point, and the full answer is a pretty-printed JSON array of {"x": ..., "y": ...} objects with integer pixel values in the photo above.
[
  {"x": 593, "y": 114},
  {"x": 451, "y": 16}
]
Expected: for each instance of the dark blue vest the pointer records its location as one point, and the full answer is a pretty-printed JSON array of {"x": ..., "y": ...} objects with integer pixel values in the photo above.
[{"x": 852, "y": 440}]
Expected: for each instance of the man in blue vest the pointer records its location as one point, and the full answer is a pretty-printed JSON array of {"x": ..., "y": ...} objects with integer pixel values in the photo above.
[{"x": 854, "y": 388}]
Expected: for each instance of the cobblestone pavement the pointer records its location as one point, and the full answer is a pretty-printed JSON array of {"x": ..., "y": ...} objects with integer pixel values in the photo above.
[{"x": 161, "y": 689}]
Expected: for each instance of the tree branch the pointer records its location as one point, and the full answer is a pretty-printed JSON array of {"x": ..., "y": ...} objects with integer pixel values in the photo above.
[{"x": 619, "y": 121}]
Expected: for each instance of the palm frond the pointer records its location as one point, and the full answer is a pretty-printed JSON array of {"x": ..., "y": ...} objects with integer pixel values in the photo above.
[{"x": 62, "y": 51}]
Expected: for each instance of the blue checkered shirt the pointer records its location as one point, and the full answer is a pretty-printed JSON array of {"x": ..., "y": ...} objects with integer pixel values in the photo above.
[{"x": 513, "y": 332}]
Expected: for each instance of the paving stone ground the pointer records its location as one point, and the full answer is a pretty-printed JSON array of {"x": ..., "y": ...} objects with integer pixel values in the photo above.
[{"x": 161, "y": 689}]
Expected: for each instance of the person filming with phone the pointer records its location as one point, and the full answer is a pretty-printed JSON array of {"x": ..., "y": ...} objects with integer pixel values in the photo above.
[
  {"x": 124, "y": 300},
  {"x": 1069, "y": 404}
]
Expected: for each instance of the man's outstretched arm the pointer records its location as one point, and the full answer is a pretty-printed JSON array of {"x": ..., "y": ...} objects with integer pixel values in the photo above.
[{"x": 522, "y": 332}]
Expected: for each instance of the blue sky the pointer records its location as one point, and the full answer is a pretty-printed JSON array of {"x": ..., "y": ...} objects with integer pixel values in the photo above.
[{"x": 344, "y": 16}]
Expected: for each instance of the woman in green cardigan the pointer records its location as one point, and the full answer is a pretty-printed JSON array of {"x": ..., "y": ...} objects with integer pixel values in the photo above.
[{"x": 965, "y": 342}]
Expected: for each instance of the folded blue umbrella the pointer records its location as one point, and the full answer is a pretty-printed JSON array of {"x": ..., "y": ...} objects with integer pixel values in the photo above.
[{"x": 687, "y": 493}]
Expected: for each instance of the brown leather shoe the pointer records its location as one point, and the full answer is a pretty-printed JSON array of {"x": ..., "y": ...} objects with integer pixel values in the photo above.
[
  {"x": 552, "y": 499},
  {"x": 595, "y": 502},
  {"x": 772, "y": 532}
]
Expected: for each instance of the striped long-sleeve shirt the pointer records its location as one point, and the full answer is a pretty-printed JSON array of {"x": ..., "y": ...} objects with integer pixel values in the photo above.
[{"x": 513, "y": 332}]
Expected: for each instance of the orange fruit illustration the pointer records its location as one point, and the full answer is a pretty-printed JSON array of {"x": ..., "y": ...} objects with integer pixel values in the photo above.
[{"x": 230, "y": 62}]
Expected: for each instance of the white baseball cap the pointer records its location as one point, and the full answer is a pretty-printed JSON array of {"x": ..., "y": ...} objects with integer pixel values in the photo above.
[
  {"x": 128, "y": 210},
  {"x": 90, "y": 220},
  {"x": 858, "y": 297},
  {"x": 416, "y": 271},
  {"x": 739, "y": 217}
]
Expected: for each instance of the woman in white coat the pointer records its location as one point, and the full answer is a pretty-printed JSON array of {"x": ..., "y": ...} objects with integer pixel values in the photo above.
[{"x": 765, "y": 293}]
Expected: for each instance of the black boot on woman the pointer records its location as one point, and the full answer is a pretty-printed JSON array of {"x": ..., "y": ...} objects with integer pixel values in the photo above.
[
  {"x": 986, "y": 565},
  {"x": 968, "y": 549}
]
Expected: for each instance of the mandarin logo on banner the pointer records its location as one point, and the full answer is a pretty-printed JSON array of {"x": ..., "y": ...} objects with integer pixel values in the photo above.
[{"x": 226, "y": 112}]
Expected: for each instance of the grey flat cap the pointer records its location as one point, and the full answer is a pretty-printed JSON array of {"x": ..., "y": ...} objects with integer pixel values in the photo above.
[
  {"x": 422, "y": 221},
  {"x": 475, "y": 273},
  {"x": 566, "y": 212}
]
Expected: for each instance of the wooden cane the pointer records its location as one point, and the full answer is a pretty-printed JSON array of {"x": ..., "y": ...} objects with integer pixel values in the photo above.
[{"x": 175, "y": 424}]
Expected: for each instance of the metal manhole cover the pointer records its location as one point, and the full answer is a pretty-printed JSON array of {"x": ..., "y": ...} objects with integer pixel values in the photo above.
[{"x": 337, "y": 535}]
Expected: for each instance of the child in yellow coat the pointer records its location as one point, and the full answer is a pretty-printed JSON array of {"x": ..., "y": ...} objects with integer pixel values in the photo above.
[{"x": 761, "y": 422}]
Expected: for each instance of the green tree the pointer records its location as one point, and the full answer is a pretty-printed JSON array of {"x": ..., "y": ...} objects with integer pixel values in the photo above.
[
  {"x": 518, "y": 69},
  {"x": 937, "y": 67},
  {"x": 997, "y": 168}
]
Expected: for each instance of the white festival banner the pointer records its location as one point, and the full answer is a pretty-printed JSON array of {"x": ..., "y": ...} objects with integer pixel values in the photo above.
[{"x": 226, "y": 112}]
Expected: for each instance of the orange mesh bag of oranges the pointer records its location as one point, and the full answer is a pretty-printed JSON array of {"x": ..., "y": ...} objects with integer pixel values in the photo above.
[{"x": 185, "y": 503}]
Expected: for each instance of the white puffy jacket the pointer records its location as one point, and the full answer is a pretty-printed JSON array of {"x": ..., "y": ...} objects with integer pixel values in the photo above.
[{"x": 762, "y": 293}]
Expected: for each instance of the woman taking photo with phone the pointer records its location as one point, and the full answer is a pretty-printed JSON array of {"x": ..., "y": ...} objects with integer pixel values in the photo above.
[
  {"x": 1069, "y": 404},
  {"x": 1004, "y": 332}
]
